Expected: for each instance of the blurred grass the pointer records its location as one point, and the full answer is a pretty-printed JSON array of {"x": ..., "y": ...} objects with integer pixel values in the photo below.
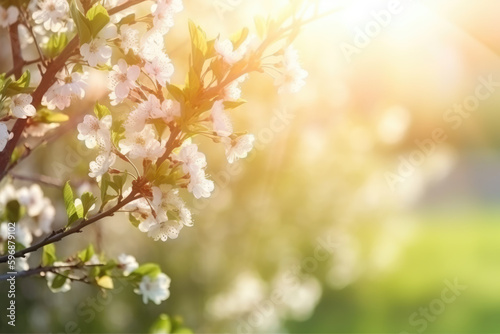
[{"x": 461, "y": 244}]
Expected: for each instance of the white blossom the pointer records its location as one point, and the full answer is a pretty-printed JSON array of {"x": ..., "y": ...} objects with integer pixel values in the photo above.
[
  {"x": 7, "y": 194},
  {"x": 52, "y": 14},
  {"x": 25, "y": 37},
  {"x": 94, "y": 131},
  {"x": 293, "y": 77},
  {"x": 142, "y": 144},
  {"x": 75, "y": 85},
  {"x": 101, "y": 165},
  {"x": 5, "y": 136},
  {"x": 22, "y": 234},
  {"x": 43, "y": 221},
  {"x": 8, "y": 16},
  {"x": 21, "y": 106},
  {"x": 154, "y": 289},
  {"x": 165, "y": 230},
  {"x": 239, "y": 148},
  {"x": 221, "y": 121},
  {"x": 151, "y": 45},
  {"x": 128, "y": 263},
  {"x": 192, "y": 160},
  {"x": 22, "y": 263},
  {"x": 225, "y": 48},
  {"x": 55, "y": 97},
  {"x": 232, "y": 92},
  {"x": 170, "y": 110},
  {"x": 163, "y": 14},
  {"x": 46, "y": 217},
  {"x": 160, "y": 69},
  {"x": 123, "y": 79},
  {"x": 96, "y": 52},
  {"x": 199, "y": 185},
  {"x": 129, "y": 39},
  {"x": 32, "y": 199}
]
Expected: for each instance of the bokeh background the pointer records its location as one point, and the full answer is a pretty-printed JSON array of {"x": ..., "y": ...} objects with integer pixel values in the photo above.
[{"x": 308, "y": 235}]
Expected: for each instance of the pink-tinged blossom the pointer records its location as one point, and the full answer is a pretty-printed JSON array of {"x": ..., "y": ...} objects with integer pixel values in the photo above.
[
  {"x": 95, "y": 132},
  {"x": 101, "y": 165},
  {"x": 293, "y": 77},
  {"x": 123, "y": 78},
  {"x": 160, "y": 69},
  {"x": 142, "y": 144},
  {"x": 129, "y": 39},
  {"x": 199, "y": 185},
  {"x": 163, "y": 14},
  {"x": 52, "y": 14},
  {"x": 21, "y": 106},
  {"x": 221, "y": 121},
  {"x": 238, "y": 148},
  {"x": 192, "y": 160}
]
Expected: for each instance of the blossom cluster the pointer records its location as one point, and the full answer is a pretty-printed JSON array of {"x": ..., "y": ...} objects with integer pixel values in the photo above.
[
  {"x": 32, "y": 211},
  {"x": 145, "y": 122}
]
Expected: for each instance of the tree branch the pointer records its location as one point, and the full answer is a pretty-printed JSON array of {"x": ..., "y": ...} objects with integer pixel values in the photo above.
[
  {"x": 48, "y": 79},
  {"x": 60, "y": 234},
  {"x": 36, "y": 271}
]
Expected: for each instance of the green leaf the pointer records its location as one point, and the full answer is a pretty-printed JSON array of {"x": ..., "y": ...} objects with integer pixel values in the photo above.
[
  {"x": 234, "y": 104},
  {"x": 129, "y": 19},
  {"x": 19, "y": 86},
  {"x": 88, "y": 199},
  {"x": 45, "y": 115},
  {"x": 56, "y": 117},
  {"x": 239, "y": 38},
  {"x": 198, "y": 49},
  {"x": 59, "y": 280},
  {"x": 161, "y": 325},
  {"x": 86, "y": 254},
  {"x": 79, "y": 208},
  {"x": 49, "y": 255},
  {"x": 148, "y": 269},
  {"x": 176, "y": 92},
  {"x": 105, "y": 282},
  {"x": 82, "y": 23},
  {"x": 217, "y": 67},
  {"x": 13, "y": 211},
  {"x": 55, "y": 45},
  {"x": 119, "y": 181},
  {"x": 69, "y": 202},
  {"x": 260, "y": 26},
  {"x": 134, "y": 221},
  {"x": 98, "y": 18},
  {"x": 101, "y": 110}
]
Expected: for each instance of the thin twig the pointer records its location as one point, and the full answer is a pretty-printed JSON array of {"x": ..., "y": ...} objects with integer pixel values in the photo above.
[
  {"x": 57, "y": 236},
  {"x": 39, "y": 270},
  {"x": 43, "y": 179}
]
